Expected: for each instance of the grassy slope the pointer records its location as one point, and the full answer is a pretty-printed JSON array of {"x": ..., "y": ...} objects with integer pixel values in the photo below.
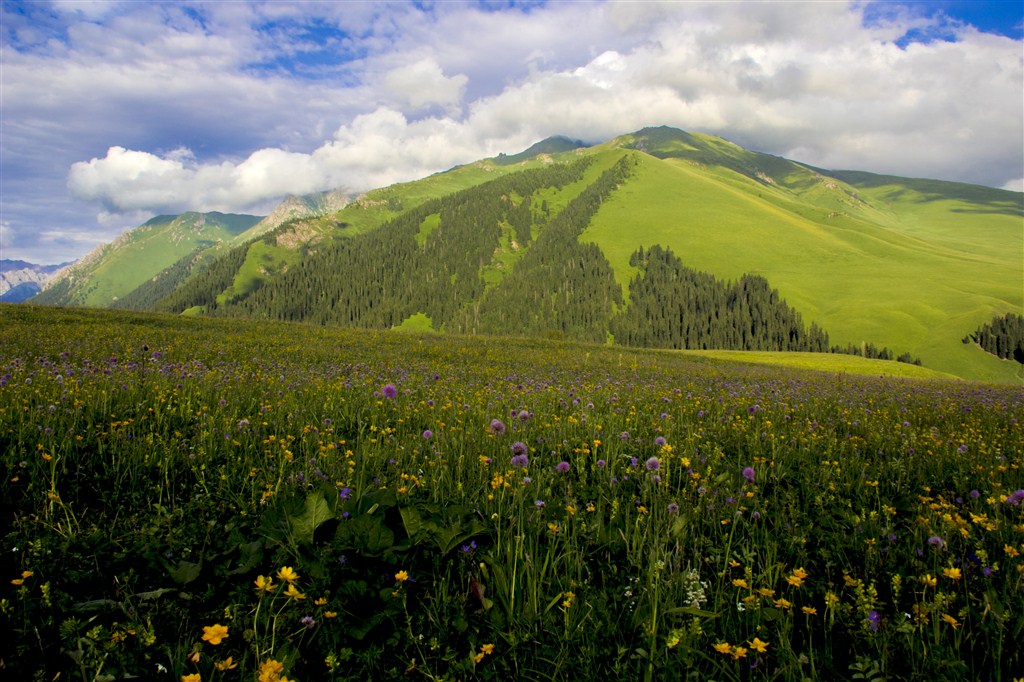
[
  {"x": 150, "y": 249},
  {"x": 903, "y": 273}
]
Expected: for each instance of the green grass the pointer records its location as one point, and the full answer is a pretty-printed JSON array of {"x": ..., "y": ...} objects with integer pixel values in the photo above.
[
  {"x": 889, "y": 272},
  {"x": 233, "y": 499}
]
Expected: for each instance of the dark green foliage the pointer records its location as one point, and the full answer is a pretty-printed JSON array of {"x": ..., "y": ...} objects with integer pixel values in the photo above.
[
  {"x": 206, "y": 285},
  {"x": 1002, "y": 337},
  {"x": 561, "y": 287},
  {"x": 672, "y": 306}
]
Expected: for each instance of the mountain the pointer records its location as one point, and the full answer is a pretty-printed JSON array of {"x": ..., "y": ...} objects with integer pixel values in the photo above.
[
  {"x": 660, "y": 237},
  {"x": 113, "y": 270},
  {"x": 20, "y": 280}
]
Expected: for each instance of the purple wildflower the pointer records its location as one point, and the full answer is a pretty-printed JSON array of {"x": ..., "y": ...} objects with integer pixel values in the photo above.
[
  {"x": 936, "y": 541},
  {"x": 974, "y": 494},
  {"x": 521, "y": 461},
  {"x": 519, "y": 448},
  {"x": 428, "y": 434},
  {"x": 673, "y": 508},
  {"x": 562, "y": 466},
  {"x": 497, "y": 427},
  {"x": 660, "y": 441},
  {"x": 1016, "y": 497},
  {"x": 601, "y": 464},
  {"x": 308, "y": 622},
  {"x": 653, "y": 464},
  {"x": 749, "y": 474},
  {"x": 389, "y": 391},
  {"x": 874, "y": 620}
]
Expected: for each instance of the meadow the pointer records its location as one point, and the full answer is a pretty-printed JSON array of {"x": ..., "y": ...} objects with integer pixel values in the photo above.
[{"x": 191, "y": 499}]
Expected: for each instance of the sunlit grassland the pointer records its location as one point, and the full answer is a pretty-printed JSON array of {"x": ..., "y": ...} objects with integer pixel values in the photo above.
[
  {"x": 864, "y": 269},
  {"x": 237, "y": 500}
]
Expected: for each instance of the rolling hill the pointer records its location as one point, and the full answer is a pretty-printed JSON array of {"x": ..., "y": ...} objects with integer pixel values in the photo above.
[{"x": 557, "y": 241}]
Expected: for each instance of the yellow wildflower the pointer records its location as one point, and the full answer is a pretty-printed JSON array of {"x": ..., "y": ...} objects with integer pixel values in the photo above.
[
  {"x": 783, "y": 603},
  {"x": 21, "y": 580},
  {"x": 215, "y": 634},
  {"x": 401, "y": 576},
  {"x": 270, "y": 671},
  {"x": 766, "y": 592},
  {"x": 810, "y": 610},
  {"x": 740, "y": 582},
  {"x": 287, "y": 574},
  {"x": 758, "y": 646},
  {"x": 723, "y": 648},
  {"x": 951, "y": 620},
  {"x": 487, "y": 648},
  {"x": 195, "y": 677},
  {"x": 294, "y": 593},
  {"x": 951, "y": 573},
  {"x": 928, "y": 581},
  {"x": 227, "y": 664},
  {"x": 738, "y": 652},
  {"x": 265, "y": 583},
  {"x": 330, "y": 614}
]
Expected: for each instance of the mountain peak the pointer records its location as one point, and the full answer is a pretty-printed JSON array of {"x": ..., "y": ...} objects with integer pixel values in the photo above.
[{"x": 549, "y": 145}]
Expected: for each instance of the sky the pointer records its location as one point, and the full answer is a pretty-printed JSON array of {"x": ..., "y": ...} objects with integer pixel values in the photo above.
[{"x": 113, "y": 112}]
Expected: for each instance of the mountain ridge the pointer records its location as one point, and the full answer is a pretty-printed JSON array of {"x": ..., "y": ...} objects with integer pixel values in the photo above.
[{"x": 850, "y": 250}]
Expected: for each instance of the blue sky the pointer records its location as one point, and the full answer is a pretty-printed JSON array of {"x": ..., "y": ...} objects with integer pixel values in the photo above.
[{"x": 112, "y": 112}]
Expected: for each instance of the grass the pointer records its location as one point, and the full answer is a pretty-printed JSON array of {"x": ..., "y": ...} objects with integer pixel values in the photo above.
[
  {"x": 226, "y": 499},
  {"x": 890, "y": 272}
]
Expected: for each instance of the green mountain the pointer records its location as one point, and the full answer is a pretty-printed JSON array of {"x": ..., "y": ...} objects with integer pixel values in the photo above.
[
  {"x": 113, "y": 270},
  {"x": 660, "y": 237}
]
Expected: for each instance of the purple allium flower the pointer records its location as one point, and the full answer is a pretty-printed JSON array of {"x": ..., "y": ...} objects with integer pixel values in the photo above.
[
  {"x": 497, "y": 427},
  {"x": 389, "y": 391},
  {"x": 653, "y": 464},
  {"x": 633, "y": 461},
  {"x": 874, "y": 620},
  {"x": 961, "y": 450},
  {"x": 1015, "y": 498},
  {"x": 936, "y": 541},
  {"x": 562, "y": 466},
  {"x": 749, "y": 474},
  {"x": 523, "y": 415},
  {"x": 673, "y": 508},
  {"x": 660, "y": 441},
  {"x": 539, "y": 504},
  {"x": 601, "y": 464},
  {"x": 520, "y": 461},
  {"x": 308, "y": 622},
  {"x": 519, "y": 448},
  {"x": 428, "y": 434}
]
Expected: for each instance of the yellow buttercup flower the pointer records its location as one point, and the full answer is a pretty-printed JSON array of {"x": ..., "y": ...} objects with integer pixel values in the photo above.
[
  {"x": 227, "y": 664},
  {"x": 928, "y": 581},
  {"x": 738, "y": 652},
  {"x": 194, "y": 677},
  {"x": 487, "y": 648},
  {"x": 740, "y": 582},
  {"x": 294, "y": 593},
  {"x": 723, "y": 648},
  {"x": 758, "y": 646},
  {"x": 810, "y": 610},
  {"x": 783, "y": 603},
  {"x": 401, "y": 576},
  {"x": 951, "y": 573},
  {"x": 215, "y": 634},
  {"x": 287, "y": 574},
  {"x": 265, "y": 583},
  {"x": 951, "y": 620}
]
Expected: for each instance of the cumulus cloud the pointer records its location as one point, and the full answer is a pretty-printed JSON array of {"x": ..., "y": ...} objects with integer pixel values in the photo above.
[
  {"x": 232, "y": 105},
  {"x": 423, "y": 83}
]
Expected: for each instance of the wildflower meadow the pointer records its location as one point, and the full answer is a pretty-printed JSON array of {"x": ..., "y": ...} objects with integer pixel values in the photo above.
[{"x": 211, "y": 500}]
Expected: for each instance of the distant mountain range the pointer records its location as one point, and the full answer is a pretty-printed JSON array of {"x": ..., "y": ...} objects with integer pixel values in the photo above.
[
  {"x": 660, "y": 237},
  {"x": 20, "y": 281}
]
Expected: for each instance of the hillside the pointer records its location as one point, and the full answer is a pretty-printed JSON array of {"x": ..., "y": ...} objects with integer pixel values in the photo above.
[
  {"x": 555, "y": 241},
  {"x": 116, "y": 269}
]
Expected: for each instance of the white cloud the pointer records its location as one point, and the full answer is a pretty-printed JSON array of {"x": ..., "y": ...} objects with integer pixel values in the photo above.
[
  {"x": 199, "y": 106},
  {"x": 423, "y": 83}
]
